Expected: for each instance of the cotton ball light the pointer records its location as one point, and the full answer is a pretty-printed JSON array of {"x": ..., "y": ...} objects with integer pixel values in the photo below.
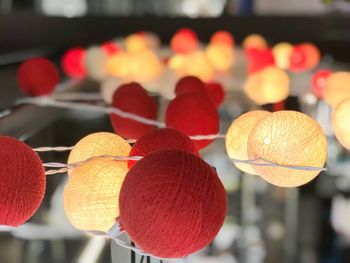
[
  {"x": 161, "y": 139},
  {"x": 118, "y": 65},
  {"x": 135, "y": 43},
  {"x": 222, "y": 37},
  {"x": 96, "y": 63},
  {"x": 254, "y": 41},
  {"x": 110, "y": 48},
  {"x": 258, "y": 59},
  {"x": 177, "y": 62},
  {"x": 237, "y": 138},
  {"x": 337, "y": 88},
  {"x": 92, "y": 192},
  {"x": 341, "y": 123},
  {"x": 318, "y": 82},
  {"x": 281, "y": 53},
  {"x": 108, "y": 87},
  {"x": 193, "y": 115},
  {"x": 184, "y": 41},
  {"x": 215, "y": 93},
  {"x": 133, "y": 98},
  {"x": 172, "y": 204},
  {"x": 287, "y": 138},
  {"x": 304, "y": 56},
  {"x": 73, "y": 62},
  {"x": 99, "y": 144},
  {"x": 37, "y": 76},
  {"x": 23, "y": 182},
  {"x": 189, "y": 84},
  {"x": 220, "y": 56},
  {"x": 269, "y": 85},
  {"x": 197, "y": 64}
]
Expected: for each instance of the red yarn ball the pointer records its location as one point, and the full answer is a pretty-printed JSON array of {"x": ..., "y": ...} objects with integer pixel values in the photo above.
[
  {"x": 298, "y": 59},
  {"x": 73, "y": 63},
  {"x": 23, "y": 182},
  {"x": 184, "y": 41},
  {"x": 134, "y": 99},
  {"x": 215, "y": 92},
  {"x": 318, "y": 82},
  {"x": 110, "y": 48},
  {"x": 37, "y": 76},
  {"x": 193, "y": 115},
  {"x": 190, "y": 84},
  {"x": 172, "y": 204},
  {"x": 161, "y": 139}
]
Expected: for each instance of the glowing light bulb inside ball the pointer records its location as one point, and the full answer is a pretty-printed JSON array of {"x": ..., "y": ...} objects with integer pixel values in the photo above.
[
  {"x": 287, "y": 138},
  {"x": 254, "y": 41},
  {"x": 222, "y": 37},
  {"x": 73, "y": 62},
  {"x": 197, "y": 64},
  {"x": 237, "y": 138},
  {"x": 341, "y": 123},
  {"x": 281, "y": 53},
  {"x": 220, "y": 56},
  {"x": 269, "y": 85},
  {"x": 318, "y": 82},
  {"x": 145, "y": 66},
  {"x": 337, "y": 88},
  {"x": 96, "y": 63},
  {"x": 135, "y": 43},
  {"x": 184, "y": 41},
  {"x": 118, "y": 65}
]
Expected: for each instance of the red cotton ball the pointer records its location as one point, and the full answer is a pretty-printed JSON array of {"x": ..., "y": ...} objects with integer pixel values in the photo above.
[
  {"x": 37, "y": 77},
  {"x": 110, "y": 48},
  {"x": 215, "y": 92},
  {"x": 193, "y": 115},
  {"x": 304, "y": 56},
  {"x": 73, "y": 63},
  {"x": 258, "y": 59},
  {"x": 23, "y": 182},
  {"x": 318, "y": 82},
  {"x": 161, "y": 139},
  {"x": 190, "y": 84},
  {"x": 134, "y": 99},
  {"x": 184, "y": 41},
  {"x": 172, "y": 204}
]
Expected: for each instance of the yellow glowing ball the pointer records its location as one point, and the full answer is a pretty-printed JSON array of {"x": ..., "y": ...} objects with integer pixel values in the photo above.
[
  {"x": 95, "y": 62},
  {"x": 269, "y": 85},
  {"x": 135, "y": 43},
  {"x": 341, "y": 123},
  {"x": 281, "y": 53},
  {"x": 287, "y": 138},
  {"x": 118, "y": 65},
  {"x": 337, "y": 88},
  {"x": 98, "y": 144},
  {"x": 237, "y": 138},
  {"x": 198, "y": 65},
  {"x": 145, "y": 66},
  {"x": 92, "y": 192},
  {"x": 220, "y": 56},
  {"x": 176, "y": 62},
  {"x": 254, "y": 41}
]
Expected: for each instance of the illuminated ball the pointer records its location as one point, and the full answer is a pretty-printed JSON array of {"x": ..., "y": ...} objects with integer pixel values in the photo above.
[
  {"x": 177, "y": 62},
  {"x": 118, "y": 65},
  {"x": 341, "y": 123},
  {"x": 133, "y": 98},
  {"x": 161, "y": 139},
  {"x": 73, "y": 62},
  {"x": 304, "y": 56},
  {"x": 287, "y": 138},
  {"x": 193, "y": 115},
  {"x": 184, "y": 41},
  {"x": 135, "y": 43},
  {"x": 145, "y": 66},
  {"x": 281, "y": 53},
  {"x": 152, "y": 40},
  {"x": 23, "y": 182},
  {"x": 254, "y": 41},
  {"x": 110, "y": 48},
  {"x": 270, "y": 85},
  {"x": 222, "y": 37},
  {"x": 37, "y": 76},
  {"x": 98, "y": 144},
  {"x": 220, "y": 56},
  {"x": 96, "y": 63},
  {"x": 215, "y": 93},
  {"x": 92, "y": 193},
  {"x": 313, "y": 55},
  {"x": 108, "y": 87},
  {"x": 337, "y": 88},
  {"x": 237, "y": 138},
  {"x": 172, "y": 204},
  {"x": 259, "y": 59},
  {"x": 189, "y": 84},
  {"x": 318, "y": 82},
  {"x": 197, "y": 64}
]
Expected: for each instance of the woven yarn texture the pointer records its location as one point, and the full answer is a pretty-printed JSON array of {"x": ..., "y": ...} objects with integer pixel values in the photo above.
[
  {"x": 341, "y": 123},
  {"x": 337, "y": 88},
  {"x": 189, "y": 84}
]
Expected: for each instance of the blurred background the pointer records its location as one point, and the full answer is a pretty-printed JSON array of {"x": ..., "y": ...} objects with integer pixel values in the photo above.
[{"x": 309, "y": 224}]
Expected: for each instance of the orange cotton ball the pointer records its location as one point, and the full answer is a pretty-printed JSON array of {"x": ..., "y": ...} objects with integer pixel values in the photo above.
[
  {"x": 269, "y": 85},
  {"x": 287, "y": 138},
  {"x": 237, "y": 138},
  {"x": 220, "y": 56},
  {"x": 222, "y": 37},
  {"x": 118, "y": 64},
  {"x": 341, "y": 123},
  {"x": 304, "y": 56},
  {"x": 132, "y": 98},
  {"x": 145, "y": 66},
  {"x": 337, "y": 88},
  {"x": 135, "y": 43},
  {"x": 254, "y": 41},
  {"x": 197, "y": 64},
  {"x": 184, "y": 41}
]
